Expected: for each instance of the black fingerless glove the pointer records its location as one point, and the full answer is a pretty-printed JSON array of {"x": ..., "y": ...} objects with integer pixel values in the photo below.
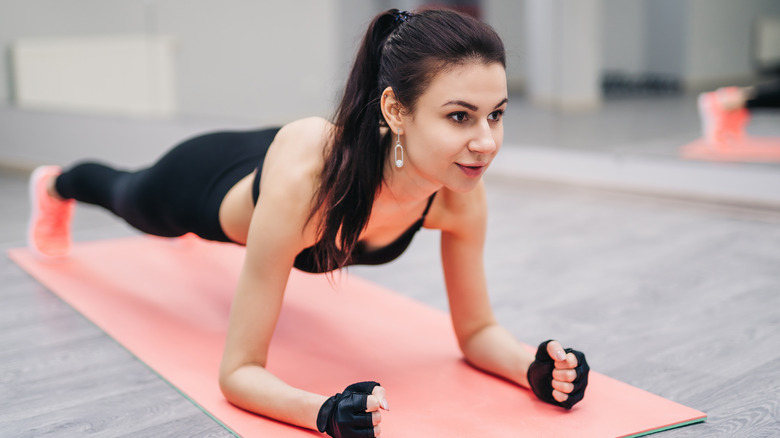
[
  {"x": 540, "y": 377},
  {"x": 344, "y": 415}
]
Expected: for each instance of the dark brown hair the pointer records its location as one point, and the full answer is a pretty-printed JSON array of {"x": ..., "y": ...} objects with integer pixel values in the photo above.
[{"x": 399, "y": 50}]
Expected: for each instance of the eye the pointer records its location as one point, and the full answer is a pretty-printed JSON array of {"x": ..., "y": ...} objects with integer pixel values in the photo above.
[
  {"x": 458, "y": 117},
  {"x": 496, "y": 115}
]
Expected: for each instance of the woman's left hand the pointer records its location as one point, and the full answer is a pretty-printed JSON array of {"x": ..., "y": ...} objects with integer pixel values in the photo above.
[{"x": 558, "y": 376}]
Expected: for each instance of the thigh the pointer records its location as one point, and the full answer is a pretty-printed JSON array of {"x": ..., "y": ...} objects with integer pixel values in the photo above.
[{"x": 190, "y": 181}]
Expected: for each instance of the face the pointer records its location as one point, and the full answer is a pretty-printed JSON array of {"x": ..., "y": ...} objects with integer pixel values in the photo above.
[{"x": 456, "y": 128}]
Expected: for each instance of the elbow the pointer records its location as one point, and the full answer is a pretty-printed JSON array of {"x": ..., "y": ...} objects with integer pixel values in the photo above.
[
  {"x": 236, "y": 382},
  {"x": 225, "y": 379},
  {"x": 229, "y": 382},
  {"x": 471, "y": 341},
  {"x": 230, "y": 387}
]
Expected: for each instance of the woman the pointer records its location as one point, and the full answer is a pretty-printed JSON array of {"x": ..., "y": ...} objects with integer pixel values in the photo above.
[{"x": 419, "y": 123}]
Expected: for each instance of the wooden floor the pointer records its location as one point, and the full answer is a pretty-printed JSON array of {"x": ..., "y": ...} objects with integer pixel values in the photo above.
[{"x": 678, "y": 298}]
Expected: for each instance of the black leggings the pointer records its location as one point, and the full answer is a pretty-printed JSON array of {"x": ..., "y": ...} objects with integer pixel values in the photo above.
[{"x": 182, "y": 192}]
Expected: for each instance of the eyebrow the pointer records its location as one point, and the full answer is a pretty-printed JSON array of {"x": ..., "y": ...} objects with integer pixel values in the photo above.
[{"x": 472, "y": 107}]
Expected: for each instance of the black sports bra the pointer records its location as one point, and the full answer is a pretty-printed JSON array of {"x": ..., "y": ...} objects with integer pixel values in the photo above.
[{"x": 360, "y": 256}]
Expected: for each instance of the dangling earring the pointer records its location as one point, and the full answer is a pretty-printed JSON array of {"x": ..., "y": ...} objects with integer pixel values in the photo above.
[{"x": 399, "y": 162}]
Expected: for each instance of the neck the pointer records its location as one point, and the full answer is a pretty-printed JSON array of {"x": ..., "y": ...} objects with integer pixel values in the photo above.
[{"x": 404, "y": 185}]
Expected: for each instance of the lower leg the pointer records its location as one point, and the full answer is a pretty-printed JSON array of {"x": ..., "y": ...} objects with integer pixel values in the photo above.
[
  {"x": 766, "y": 95},
  {"x": 51, "y": 188},
  {"x": 91, "y": 183},
  {"x": 138, "y": 197}
]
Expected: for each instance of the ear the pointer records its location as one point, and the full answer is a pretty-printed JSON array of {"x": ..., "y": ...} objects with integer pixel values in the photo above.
[{"x": 392, "y": 111}]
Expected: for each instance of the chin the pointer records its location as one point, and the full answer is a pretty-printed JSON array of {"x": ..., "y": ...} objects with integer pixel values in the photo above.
[{"x": 463, "y": 187}]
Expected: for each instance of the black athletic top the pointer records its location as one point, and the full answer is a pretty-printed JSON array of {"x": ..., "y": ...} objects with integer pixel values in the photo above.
[{"x": 305, "y": 259}]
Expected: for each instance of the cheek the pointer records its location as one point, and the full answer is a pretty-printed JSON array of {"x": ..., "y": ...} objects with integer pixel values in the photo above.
[
  {"x": 443, "y": 144},
  {"x": 448, "y": 136}
]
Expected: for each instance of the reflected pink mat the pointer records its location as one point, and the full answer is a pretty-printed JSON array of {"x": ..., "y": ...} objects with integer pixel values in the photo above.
[
  {"x": 167, "y": 302},
  {"x": 746, "y": 149}
]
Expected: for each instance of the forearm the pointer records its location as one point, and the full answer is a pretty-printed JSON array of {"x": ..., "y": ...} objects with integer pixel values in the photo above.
[
  {"x": 495, "y": 350},
  {"x": 255, "y": 389}
]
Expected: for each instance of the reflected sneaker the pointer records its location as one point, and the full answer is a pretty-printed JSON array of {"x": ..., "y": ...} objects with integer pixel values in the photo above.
[
  {"x": 732, "y": 128},
  {"x": 721, "y": 125},
  {"x": 48, "y": 232}
]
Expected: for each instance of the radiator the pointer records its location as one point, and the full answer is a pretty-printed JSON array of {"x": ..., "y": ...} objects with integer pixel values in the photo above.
[{"x": 132, "y": 75}]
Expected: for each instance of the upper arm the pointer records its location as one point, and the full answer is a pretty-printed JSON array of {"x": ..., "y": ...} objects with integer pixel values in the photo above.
[
  {"x": 278, "y": 230},
  {"x": 464, "y": 224}
]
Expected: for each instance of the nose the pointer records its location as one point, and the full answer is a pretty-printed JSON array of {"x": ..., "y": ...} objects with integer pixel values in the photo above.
[{"x": 484, "y": 142}]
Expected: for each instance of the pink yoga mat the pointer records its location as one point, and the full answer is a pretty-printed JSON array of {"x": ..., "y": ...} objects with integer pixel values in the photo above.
[{"x": 167, "y": 302}]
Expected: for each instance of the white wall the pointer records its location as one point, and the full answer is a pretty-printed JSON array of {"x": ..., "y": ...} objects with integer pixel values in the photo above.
[
  {"x": 706, "y": 43},
  {"x": 719, "y": 47},
  {"x": 666, "y": 33},
  {"x": 44, "y": 18},
  {"x": 260, "y": 60},
  {"x": 623, "y": 36},
  {"x": 244, "y": 58},
  {"x": 563, "y": 46},
  {"x": 354, "y": 17},
  {"x": 507, "y": 18},
  {"x": 273, "y": 61}
]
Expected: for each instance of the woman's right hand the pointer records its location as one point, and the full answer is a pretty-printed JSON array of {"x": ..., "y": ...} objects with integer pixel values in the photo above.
[{"x": 354, "y": 413}]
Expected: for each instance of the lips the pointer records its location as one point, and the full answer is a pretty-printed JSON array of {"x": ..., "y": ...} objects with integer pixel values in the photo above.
[{"x": 472, "y": 170}]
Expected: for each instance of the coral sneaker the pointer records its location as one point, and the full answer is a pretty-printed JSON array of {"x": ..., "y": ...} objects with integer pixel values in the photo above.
[{"x": 48, "y": 232}]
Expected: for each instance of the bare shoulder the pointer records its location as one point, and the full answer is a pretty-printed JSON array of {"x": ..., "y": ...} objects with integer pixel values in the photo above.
[
  {"x": 457, "y": 211},
  {"x": 289, "y": 182},
  {"x": 296, "y": 155},
  {"x": 304, "y": 137},
  {"x": 311, "y": 129}
]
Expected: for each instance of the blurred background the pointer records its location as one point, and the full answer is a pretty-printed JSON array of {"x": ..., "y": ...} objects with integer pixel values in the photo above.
[{"x": 597, "y": 86}]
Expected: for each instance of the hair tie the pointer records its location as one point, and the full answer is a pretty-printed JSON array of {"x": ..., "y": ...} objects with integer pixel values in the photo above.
[{"x": 402, "y": 16}]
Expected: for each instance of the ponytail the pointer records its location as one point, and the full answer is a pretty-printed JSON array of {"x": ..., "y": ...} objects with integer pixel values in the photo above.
[{"x": 355, "y": 161}]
